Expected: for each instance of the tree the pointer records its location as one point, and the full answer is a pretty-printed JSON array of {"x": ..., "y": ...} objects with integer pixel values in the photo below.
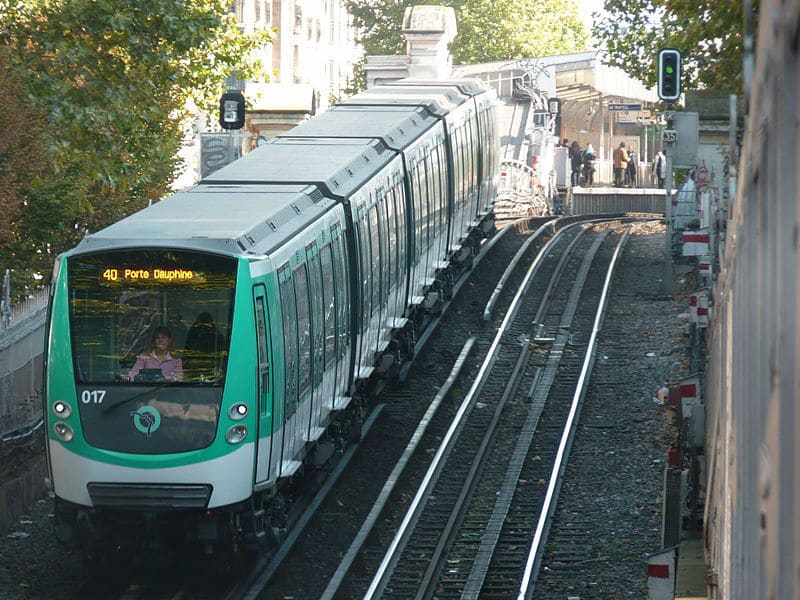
[
  {"x": 114, "y": 78},
  {"x": 708, "y": 34},
  {"x": 488, "y": 30},
  {"x": 24, "y": 167}
]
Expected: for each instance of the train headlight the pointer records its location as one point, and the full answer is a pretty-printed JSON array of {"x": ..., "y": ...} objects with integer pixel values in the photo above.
[
  {"x": 236, "y": 434},
  {"x": 64, "y": 431},
  {"x": 62, "y": 409},
  {"x": 238, "y": 411}
]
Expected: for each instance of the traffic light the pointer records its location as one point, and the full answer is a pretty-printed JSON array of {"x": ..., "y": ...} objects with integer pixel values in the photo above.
[
  {"x": 231, "y": 110},
  {"x": 669, "y": 74}
]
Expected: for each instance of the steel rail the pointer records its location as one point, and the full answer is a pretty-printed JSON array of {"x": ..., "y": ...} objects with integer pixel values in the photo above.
[
  {"x": 404, "y": 531},
  {"x": 540, "y": 389},
  {"x": 478, "y": 462},
  {"x": 487, "y": 311},
  {"x": 260, "y": 581},
  {"x": 534, "y": 556},
  {"x": 394, "y": 476}
]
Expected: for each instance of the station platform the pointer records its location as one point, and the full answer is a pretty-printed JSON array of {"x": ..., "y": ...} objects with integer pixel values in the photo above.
[{"x": 690, "y": 573}]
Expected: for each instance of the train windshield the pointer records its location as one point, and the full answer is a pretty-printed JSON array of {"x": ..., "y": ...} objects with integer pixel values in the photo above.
[{"x": 151, "y": 315}]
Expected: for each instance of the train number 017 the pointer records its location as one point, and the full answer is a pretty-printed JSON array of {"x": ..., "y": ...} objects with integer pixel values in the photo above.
[{"x": 93, "y": 396}]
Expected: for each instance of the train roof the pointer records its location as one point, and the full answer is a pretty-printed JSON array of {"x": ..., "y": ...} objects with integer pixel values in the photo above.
[
  {"x": 439, "y": 102},
  {"x": 396, "y": 126},
  {"x": 447, "y": 94},
  {"x": 470, "y": 87},
  {"x": 337, "y": 166},
  {"x": 226, "y": 219}
]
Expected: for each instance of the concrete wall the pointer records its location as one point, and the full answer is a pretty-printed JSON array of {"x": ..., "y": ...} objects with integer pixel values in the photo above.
[{"x": 752, "y": 513}]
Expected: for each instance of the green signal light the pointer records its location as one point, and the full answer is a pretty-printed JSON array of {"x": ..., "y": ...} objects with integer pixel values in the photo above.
[{"x": 670, "y": 70}]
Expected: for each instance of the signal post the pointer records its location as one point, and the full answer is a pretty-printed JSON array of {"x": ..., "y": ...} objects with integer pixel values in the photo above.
[{"x": 669, "y": 90}]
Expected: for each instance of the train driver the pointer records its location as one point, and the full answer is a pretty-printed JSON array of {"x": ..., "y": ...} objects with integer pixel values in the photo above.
[{"x": 160, "y": 357}]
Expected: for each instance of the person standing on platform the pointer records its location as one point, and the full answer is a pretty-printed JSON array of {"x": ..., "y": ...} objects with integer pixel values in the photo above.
[
  {"x": 576, "y": 161},
  {"x": 589, "y": 156},
  {"x": 660, "y": 168},
  {"x": 633, "y": 166},
  {"x": 620, "y": 158}
]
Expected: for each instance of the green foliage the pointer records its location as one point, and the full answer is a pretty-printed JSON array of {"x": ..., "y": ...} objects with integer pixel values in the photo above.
[
  {"x": 380, "y": 24},
  {"x": 24, "y": 166},
  {"x": 113, "y": 78},
  {"x": 708, "y": 34},
  {"x": 488, "y": 30}
]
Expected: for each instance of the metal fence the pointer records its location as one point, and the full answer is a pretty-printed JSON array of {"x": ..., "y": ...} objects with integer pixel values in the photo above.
[{"x": 21, "y": 355}]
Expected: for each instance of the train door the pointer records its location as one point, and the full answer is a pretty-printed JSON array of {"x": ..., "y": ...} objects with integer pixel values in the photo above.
[
  {"x": 303, "y": 411},
  {"x": 364, "y": 360},
  {"x": 288, "y": 439},
  {"x": 377, "y": 267},
  {"x": 264, "y": 399},
  {"x": 330, "y": 364},
  {"x": 316, "y": 299},
  {"x": 344, "y": 309}
]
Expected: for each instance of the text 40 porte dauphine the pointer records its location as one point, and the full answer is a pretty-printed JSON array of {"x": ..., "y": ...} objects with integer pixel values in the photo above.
[{"x": 145, "y": 274}]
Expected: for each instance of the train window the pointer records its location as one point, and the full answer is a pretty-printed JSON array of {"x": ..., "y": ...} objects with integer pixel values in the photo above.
[
  {"x": 316, "y": 307},
  {"x": 473, "y": 150},
  {"x": 392, "y": 273},
  {"x": 441, "y": 161},
  {"x": 387, "y": 275},
  {"x": 118, "y": 298},
  {"x": 484, "y": 148},
  {"x": 458, "y": 160},
  {"x": 342, "y": 294},
  {"x": 362, "y": 239},
  {"x": 436, "y": 196},
  {"x": 262, "y": 331},
  {"x": 421, "y": 192},
  {"x": 375, "y": 257},
  {"x": 289, "y": 322},
  {"x": 329, "y": 303},
  {"x": 400, "y": 208},
  {"x": 303, "y": 329}
]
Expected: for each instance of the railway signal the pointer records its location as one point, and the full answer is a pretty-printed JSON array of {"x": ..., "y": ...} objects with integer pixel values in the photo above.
[
  {"x": 669, "y": 74},
  {"x": 231, "y": 110}
]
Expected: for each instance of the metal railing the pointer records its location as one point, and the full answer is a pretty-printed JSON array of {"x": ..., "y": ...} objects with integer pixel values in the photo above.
[{"x": 21, "y": 354}]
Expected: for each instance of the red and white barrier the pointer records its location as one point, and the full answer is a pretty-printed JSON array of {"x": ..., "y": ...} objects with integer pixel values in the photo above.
[
  {"x": 695, "y": 243},
  {"x": 661, "y": 575}
]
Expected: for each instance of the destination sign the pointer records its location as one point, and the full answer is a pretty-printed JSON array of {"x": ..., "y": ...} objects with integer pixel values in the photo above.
[
  {"x": 617, "y": 106},
  {"x": 113, "y": 274}
]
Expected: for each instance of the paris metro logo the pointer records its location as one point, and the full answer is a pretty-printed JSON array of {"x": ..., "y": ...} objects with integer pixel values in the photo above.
[{"x": 146, "y": 419}]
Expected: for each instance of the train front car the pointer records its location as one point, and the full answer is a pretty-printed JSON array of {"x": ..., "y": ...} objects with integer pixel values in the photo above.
[{"x": 160, "y": 371}]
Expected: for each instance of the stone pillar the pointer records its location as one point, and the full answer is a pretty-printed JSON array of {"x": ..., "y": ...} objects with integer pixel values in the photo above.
[
  {"x": 383, "y": 69},
  {"x": 428, "y": 31}
]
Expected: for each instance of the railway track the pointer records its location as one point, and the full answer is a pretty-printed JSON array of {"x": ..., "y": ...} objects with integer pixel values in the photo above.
[
  {"x": 430, "y": 375},
  {"x": 474, "y": 493}
]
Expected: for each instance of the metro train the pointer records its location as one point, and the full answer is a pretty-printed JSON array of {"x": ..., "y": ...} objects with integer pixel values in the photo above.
[{"x": 317, "y": 259}]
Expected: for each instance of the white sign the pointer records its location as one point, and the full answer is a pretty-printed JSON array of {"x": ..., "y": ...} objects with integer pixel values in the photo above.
[{"x": 632, "y": 116}]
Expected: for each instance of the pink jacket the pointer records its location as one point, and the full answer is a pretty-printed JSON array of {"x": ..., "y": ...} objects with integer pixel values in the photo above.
[{"x": 171, "y": 368}]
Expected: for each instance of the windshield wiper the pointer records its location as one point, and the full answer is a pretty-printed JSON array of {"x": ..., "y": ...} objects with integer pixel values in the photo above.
[{"x": 111, "y": 406}]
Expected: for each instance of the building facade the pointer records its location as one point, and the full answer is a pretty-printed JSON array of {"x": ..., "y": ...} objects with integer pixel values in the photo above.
[{"x": 314, "y": 42}]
